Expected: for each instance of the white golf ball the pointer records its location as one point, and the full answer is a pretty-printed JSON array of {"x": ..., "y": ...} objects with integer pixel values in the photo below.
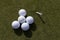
[
  {"x": 29, "y": 19},
  {"x": 22, "y": 12},
  {"x": 25, "y": 26},
  {"x": 15, "y": 24},
  {"x": 21, "y": 19}
]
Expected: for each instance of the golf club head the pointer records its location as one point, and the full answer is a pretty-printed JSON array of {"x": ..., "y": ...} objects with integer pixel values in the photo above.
[{"x": 39, "y": 13}]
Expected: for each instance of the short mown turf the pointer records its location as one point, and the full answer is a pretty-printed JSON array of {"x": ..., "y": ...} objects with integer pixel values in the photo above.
[{"x": 46, "y": 27}]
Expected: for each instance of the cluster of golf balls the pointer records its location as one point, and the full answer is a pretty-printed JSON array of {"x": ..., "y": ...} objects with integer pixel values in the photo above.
[{"x": 22, "y": 21}]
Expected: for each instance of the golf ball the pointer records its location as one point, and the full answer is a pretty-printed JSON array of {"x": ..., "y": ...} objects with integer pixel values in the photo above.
[
  {"x": 25, "y": 26},
  {"x": 21, "y": 19},
  {"x": 22, "y": 12},
  {"x": 15, "y": 24},
  {"x": 29, "y": 20}
]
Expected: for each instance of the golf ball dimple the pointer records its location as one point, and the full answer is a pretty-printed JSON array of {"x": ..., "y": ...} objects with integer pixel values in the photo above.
[
  {"x": 21, "y": 19},
  {"x": 29, "y": 20},
  {"x": 25, "y": 26},
  {"x": 15, "y": 24},
  {"x": 22, "y": 12}
]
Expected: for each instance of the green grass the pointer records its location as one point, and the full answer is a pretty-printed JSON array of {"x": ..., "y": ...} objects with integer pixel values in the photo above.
[{"x": 51, "y": 15}]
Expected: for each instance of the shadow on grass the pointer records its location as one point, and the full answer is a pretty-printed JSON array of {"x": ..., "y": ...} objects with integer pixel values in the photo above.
[
  {"x": 28, "y": 33},
  {"x": 18, "y": 31},
  {"x": 26, "y": 16},
  {"x": 33, "y": 27},
  {"x": 41, "y": 19}
]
